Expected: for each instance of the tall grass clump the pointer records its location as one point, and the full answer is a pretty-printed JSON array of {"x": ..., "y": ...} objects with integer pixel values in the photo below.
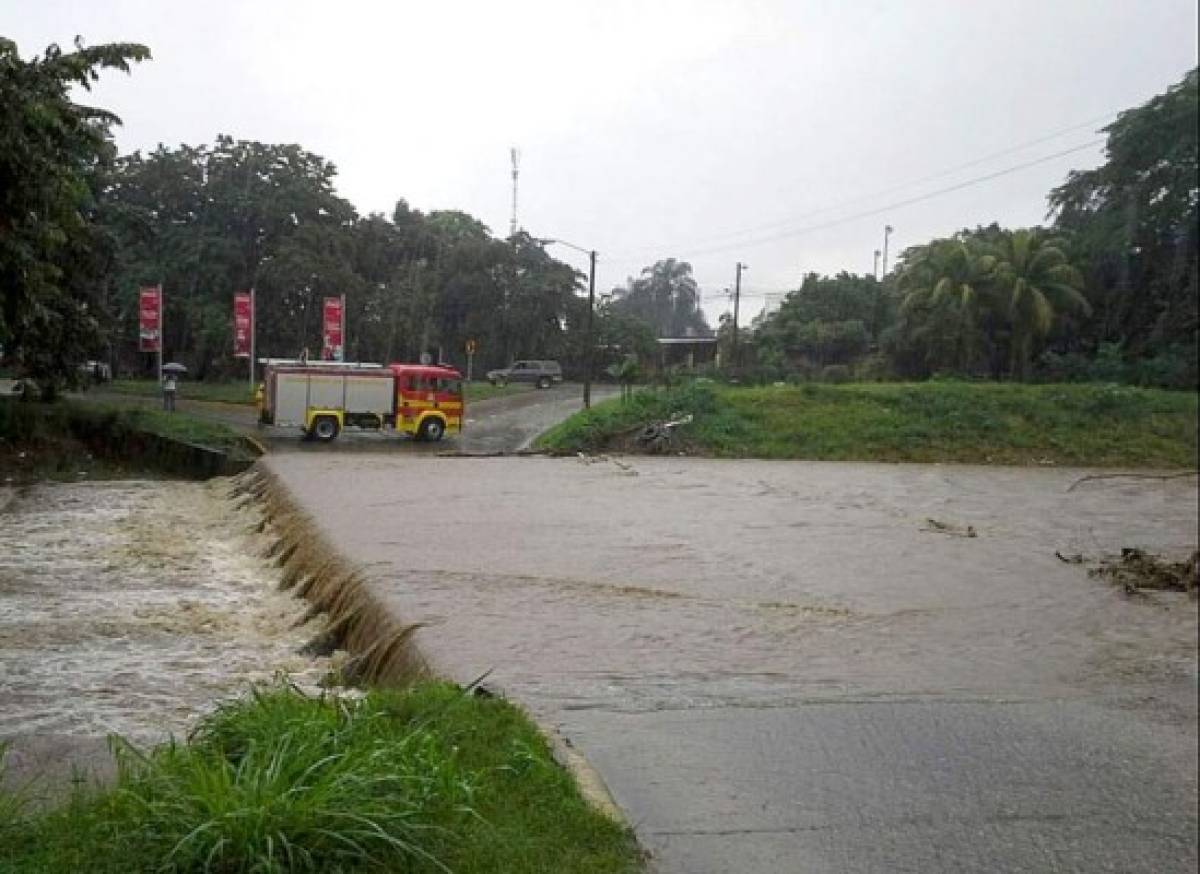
[{"x": 425, "y": 780}]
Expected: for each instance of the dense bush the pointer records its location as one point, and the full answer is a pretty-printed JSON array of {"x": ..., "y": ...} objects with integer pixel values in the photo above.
[{"x": 1173, "y": 367}]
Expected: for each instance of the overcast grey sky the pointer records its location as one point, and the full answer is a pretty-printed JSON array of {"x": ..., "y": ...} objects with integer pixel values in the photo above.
[{"x": 711, "y": 132}]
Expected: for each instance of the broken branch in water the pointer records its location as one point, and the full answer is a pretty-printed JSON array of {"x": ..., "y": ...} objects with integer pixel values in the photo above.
[
  {"x": 1157, "y": 476},
  {"x": 936, "y": 527}
]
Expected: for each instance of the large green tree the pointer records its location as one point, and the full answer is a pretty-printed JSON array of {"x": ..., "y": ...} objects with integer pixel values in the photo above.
[
  {"x": 1134, "y": 222},
  {"x": 666, "y": 297},
  {"x": 54, "y": 154},
  {"x": 1035, "y": 282},
  {"x": 946, "y": 286},
  {"x": 209, "y": 220},
  {"x": 827, "y": 320}
]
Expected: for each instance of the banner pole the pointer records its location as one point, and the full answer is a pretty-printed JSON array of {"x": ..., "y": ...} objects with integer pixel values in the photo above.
[
  {"x": 162, "y": 322},
  {"x": 253, "y": 331}
]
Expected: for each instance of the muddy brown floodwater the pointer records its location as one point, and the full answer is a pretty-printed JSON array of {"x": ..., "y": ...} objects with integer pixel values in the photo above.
[
  {"x": 785, "y": 667},
  {"x": 658, "y": 583},
  {"x": 132, "y": 608}
]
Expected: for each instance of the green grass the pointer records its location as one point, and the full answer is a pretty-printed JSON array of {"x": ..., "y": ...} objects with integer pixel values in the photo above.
[
  {"x": 70, "y": 439},
  {"x": 1000, "y": 423},
  {"x": 426, "y": 780},
  {"x": 177, "y": 426},
  {"x": 226, "y": 392}
]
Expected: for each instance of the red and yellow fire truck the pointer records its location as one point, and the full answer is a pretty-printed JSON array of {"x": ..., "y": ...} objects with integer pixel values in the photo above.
[{"x": 323, "y": 398}]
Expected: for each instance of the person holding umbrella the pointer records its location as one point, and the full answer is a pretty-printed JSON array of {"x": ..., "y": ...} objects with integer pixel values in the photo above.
[{"x": 170, "y": 384}]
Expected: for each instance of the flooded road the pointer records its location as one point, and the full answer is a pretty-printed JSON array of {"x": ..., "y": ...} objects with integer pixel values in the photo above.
[
  {"x": 770, "y": 661},
  {"x": 133, "y": 607}
]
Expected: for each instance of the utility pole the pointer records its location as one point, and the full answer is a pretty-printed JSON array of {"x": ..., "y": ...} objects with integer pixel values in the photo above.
[
  {"x": 737, "y": 295},
  {"x": 887, "y": 232},
  {"x": 875, "y": 271},
  {"x": 516, "y": 160},
  {"x": 591, "y": 343}
]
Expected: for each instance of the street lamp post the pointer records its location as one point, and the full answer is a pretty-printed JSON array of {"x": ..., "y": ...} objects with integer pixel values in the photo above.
[
  {"x": 875, "y": 272},
  {"x": 737, "y": 296},
  {"x": 587, "y": 330}
]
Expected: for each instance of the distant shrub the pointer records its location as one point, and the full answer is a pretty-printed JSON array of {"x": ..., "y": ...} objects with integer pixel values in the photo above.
[
  {"x": 875, "y": 367},
  {"x": 836, "y": 373}
]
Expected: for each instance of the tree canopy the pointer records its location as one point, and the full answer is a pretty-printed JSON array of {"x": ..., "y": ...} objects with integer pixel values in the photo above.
[
  {"x": 1114, "y": 279},
  {"x": 666, "y": 297},
  {"x": 1134, "y": 223},
  {"x": 81, "y": 230},
  {"x": 54, "y": 154}
]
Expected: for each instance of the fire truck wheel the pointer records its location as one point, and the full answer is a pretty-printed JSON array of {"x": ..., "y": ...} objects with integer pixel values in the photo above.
[
  {"x": 325, "y": 428},
  {"x": 432, "y": 430}
]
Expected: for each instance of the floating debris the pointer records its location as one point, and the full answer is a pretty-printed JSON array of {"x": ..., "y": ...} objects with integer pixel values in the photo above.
[
  {"x": 1136, "y": 570},
  {"x": 933, "y": 526}
]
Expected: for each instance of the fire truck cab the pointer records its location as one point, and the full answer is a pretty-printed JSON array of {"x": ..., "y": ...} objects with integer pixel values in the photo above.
[
  {"x": 423, "y": 401},
  {"x": 429, "y": 400}
]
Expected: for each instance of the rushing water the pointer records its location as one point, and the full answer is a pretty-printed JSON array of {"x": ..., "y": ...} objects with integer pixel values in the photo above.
[{"x": 133, "y": 607}]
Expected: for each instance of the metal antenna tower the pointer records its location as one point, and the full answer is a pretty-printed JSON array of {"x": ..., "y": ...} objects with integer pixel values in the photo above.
[{"x": 516, "y": 163}]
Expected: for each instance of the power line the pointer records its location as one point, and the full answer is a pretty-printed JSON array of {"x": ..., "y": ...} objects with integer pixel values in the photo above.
[
  {"x": 891, "y": 206},
  {"x": 728, "y": 235}
]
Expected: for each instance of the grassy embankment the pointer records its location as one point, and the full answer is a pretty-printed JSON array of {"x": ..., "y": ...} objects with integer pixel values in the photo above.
[
  {"x": 68, "y": 439},
  {"x": 231, "y": 392},
  {"x": 1102, "y": 425},
  {"x": 239, "y": 392},
  {"x": 427, "y": 780}
]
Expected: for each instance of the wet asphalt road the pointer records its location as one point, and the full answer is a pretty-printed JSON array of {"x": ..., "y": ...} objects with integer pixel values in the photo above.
[{"x": 785, "y": 667}]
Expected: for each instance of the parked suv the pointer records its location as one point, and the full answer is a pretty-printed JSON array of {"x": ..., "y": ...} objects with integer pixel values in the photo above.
[{"x": 543, "y": 374}]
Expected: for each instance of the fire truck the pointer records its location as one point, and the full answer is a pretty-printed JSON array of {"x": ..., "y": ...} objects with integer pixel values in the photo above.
[{"x": 424, "y": 401}]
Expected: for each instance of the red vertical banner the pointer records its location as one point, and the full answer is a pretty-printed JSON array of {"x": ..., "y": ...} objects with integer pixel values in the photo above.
[
  {"x": 243, "y": 324},
  {"x": 150, "y": 319},
  {"x": 332, "y": 320}
]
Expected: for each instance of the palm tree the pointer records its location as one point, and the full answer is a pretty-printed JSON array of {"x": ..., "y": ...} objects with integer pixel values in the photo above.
[
  {"x": 948, "y": 282},
  {"x": 1035, "y": 282}
]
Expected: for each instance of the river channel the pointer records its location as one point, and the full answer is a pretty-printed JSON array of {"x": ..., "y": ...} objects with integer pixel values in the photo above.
[{"x": 133, "y": 607}]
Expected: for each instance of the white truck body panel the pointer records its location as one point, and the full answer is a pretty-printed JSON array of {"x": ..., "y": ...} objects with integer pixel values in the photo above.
[{"x": 296, "y": 392}]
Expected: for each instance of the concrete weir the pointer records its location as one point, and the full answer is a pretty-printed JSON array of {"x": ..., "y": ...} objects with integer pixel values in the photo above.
[{"x": 381, "y": 646}]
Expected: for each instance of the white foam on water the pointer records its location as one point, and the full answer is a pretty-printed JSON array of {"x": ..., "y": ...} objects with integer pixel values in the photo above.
[{"x": 134, "y": 607}]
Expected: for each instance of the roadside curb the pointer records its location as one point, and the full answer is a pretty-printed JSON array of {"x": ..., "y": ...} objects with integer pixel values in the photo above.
[{"x": 591, "y": 785}]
